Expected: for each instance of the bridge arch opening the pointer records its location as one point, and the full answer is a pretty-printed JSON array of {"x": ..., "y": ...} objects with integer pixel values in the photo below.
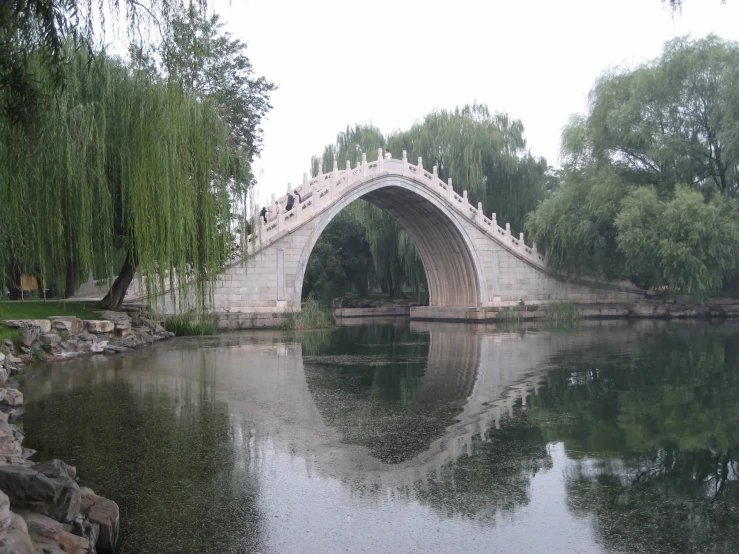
[{"x": 453, "y": 270}]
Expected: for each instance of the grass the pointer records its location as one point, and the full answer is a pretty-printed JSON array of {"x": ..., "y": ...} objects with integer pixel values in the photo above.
[
  {"x": 38, "y": 309},
  {"x": 311, "y": 316},
  {"x": 186, "y": 325},
  {"x": 562, "y": 312},
  {"x": 12, "y": 334},
  {"x": 509, "y": 316}
]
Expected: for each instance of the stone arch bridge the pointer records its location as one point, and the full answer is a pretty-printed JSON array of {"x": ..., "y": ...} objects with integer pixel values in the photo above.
[{"x": 473, "y": 266}]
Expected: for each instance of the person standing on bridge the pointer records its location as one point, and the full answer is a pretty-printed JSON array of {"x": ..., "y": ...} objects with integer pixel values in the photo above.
[
  {"x": 290, "y": 202},
  {"x": 277, "y": 207},
  {"x": 388, "y": 155},
  {"x": 263, "y": 213}
]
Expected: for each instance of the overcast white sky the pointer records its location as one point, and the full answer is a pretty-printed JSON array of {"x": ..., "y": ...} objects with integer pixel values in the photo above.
[{"x": 340, "y": 62}]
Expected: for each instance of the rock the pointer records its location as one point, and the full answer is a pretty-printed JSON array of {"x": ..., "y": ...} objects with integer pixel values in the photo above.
[
  {"x": 56, "y": 497},
  {"x": 86, "y": 337},
  {"x": 104, "y": 513},
  {"x": 5, "y": 517},
  {"x": 116, "y": 317},
  {"x": 17, "y": 540},
  {"x": 83, "y": 528},
  {"x": 52, "y": 536},
  {"x": 99, "y": 326},
  {"x": 11, "y": 397},
  {"x": 126, "y": 343},
  {"x": 56, "y": 468},
  {"x": 4, "y": 374},
  {"x": 2, "y": 359},
  {"x": 50, "y": 338},
  {"x": 13, "y": 359},
  {"x": 14, "y": 414},
  {"x": 29, "y": 335},
  {"x": 99, "y": 347},
  {"x": 8, "y": 344},
  {"x": 70, "y": 324},
  {"x": 113, "y": 349},
  {"x": 69, "y": 345},
  {"x": 123, "y": 325},
  {"x": 44, "y": 325},
  {"x": 159, "y": 329}
]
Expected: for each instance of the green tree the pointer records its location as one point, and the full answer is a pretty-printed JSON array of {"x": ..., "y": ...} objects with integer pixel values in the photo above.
[
  {"x": 98, "y": 177},
  {"x": 340, "y": 261},
  {"x": 670, "y": 122}
]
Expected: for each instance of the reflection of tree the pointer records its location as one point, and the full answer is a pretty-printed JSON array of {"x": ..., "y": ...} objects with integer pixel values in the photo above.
[
  {"x": 166, "y": 456},
  {"x": 365, "y": 383},
  {"x": 654, "y": 437},
  {"x": 495, "y": 477}
]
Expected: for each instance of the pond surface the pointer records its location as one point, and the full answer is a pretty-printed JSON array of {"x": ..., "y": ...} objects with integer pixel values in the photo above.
[{"x": 613, "y": 437}]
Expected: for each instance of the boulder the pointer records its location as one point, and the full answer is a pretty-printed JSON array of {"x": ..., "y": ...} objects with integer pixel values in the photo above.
[
  {"x": 44, "y": 325},
  {"x": 115, "y": 349},
  {"x": 2, "y": 359},
  {"x": 11, "y": 397},
  {"x": 83, "y": 528},
  {"x": 116, "y": 317},
  {"x": 29, "y": 335},
  {"x": 5, "y": 517},
  {"x": 104, "y": 513},
  {"x": 56, "y": 468},
  {"x": 69, "y": 345},
  {"x": 56, "y": 497},
  {"x": 50, "y": 338},
  {"x": 129, "y": 342},
  {"x": 86, "y": 337},
  {"x": 53, "y": 537},
  {"x": 99, "y": 326},
  {"x": 70, "y": 324},
  {"x": 99, "y": 347},
  {"x": 17, "y": 540}
]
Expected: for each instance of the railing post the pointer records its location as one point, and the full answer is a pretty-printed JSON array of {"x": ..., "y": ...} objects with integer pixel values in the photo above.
[
  {"x": 464, "y": 198},
  {"x": 479, "y": 213},
  {"x": 289, "y": 187},
  {"x": 435, "y": 173},
  {"x": 380, "y": 160},
  {"x": 334, "y": 179},
  {"x": 451, "y": 190},
  {"x": 305, "y": 183},
  {"x": 320, "y": 173},
  {"x": 348, "y": 172},
  {"x": 495, "y": 221},
  {"x": 364, "y": 164},
  {"x": 508, "y": 230},
  {"x": 420, "y": 167},
  {"x": 405, "y": 162},
  {"x": 521, "y": 243}
]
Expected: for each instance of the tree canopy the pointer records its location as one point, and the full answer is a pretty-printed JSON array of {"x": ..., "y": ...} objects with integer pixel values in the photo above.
[{"x": 651, "y": 175}]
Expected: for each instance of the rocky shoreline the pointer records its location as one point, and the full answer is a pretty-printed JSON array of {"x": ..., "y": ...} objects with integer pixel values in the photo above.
[{"x": 43, "y": 510}]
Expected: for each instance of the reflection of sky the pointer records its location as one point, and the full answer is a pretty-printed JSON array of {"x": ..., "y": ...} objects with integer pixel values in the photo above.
[{"x": 308, "y": 513}]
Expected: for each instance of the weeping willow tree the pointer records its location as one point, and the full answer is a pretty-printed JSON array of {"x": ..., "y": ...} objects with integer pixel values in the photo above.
[
  {"x": 120, "y": 166},
  {"x": 483, "y": 153}
]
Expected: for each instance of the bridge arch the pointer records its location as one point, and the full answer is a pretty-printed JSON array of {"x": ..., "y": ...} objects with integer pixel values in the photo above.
[{"x": 453, "y": 269}]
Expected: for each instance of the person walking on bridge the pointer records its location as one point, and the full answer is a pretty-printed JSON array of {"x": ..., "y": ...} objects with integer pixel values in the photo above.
[
  {"x": 290, "y": 202},
  {"x": 263, "y": 213}
]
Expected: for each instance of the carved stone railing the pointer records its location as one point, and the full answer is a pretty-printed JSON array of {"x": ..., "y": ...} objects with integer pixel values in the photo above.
[{"x": 326, "y": 189}]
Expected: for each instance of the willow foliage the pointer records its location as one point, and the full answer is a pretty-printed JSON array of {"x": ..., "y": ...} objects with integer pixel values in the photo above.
[{"x": 120, "y": 163}]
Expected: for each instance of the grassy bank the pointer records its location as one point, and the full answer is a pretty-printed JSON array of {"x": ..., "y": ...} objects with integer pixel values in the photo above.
[
  {"x": 311, "y": 316},
  {"x": 38, "y": 309},
  {"x": 12, "y": 334},
  {"x": 185, "y": 326}
]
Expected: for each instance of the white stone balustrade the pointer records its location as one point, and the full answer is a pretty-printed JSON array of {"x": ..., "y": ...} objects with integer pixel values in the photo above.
[{"x": 325, "y": 189}]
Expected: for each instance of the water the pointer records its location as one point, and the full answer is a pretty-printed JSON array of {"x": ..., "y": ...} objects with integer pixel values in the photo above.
[{"x": 613, "y": 437}]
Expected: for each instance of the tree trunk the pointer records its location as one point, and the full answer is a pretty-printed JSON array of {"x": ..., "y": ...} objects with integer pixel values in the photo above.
[
  {"x": 117, "y": 292},
  {"x": 14, "y": 281},
  {"x": 70, "y": 280}
]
